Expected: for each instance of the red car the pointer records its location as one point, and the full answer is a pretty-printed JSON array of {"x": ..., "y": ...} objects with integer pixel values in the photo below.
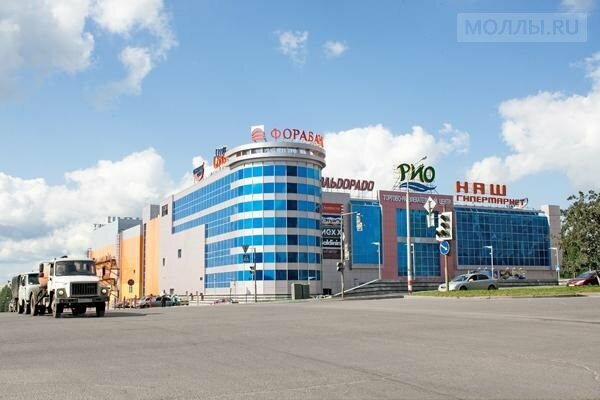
[{"x": 586, "y": 278}]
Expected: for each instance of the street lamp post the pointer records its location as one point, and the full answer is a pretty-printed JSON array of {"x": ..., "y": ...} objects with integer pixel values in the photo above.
[
  {"x": 557, "y": 265},
  {"x": 414, "y": 259},
  {"x": 378, "y": 244},
  {"x": 408, "y": 257},
  {"x": 492, "y": 255}
]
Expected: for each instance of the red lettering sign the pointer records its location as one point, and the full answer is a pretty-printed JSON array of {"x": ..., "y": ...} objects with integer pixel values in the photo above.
[
  {"x": 347, "y": 184},
  {"x": 482, "y": 193},
  {"x": 298, "y": 135}
]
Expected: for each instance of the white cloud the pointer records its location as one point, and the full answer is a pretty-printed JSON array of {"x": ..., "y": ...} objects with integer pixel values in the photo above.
[
  {"x": 376, "y": 151},
  {"x": 578, "y": 5},
  {"x": 54, "y": 36},
  {"x": 334, "y": 49},
  {"x": 293, "y": 45},
  {"x": 138, "y": 63},
  {"x": 550, "y": 132},
  {"x": 123, "y": 17},
  {"x": 38, "y": 220}
]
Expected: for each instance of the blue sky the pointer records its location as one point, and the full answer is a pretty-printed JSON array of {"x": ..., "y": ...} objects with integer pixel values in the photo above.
[{"x": 403, "y": 67}]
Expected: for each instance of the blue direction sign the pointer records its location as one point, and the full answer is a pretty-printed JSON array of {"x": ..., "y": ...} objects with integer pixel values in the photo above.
[{"x": 445, "y": 248}]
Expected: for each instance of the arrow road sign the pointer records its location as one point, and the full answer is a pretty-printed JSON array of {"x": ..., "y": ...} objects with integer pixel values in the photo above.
[
  {"x": 429, "y": 205},
  {"x": 245, "y": 248},
  {"x": 445, "y": 248}
]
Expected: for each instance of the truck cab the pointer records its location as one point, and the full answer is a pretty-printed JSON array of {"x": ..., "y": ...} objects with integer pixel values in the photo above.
[
  {"x": 70, "y": 283},
  {"x": 27, "y": 283}
]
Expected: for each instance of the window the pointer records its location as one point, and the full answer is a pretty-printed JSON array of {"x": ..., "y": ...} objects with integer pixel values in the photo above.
[
  {"x": 165, "y": 210},
  {"x": 178, "y": 253},
  {"x": 292, "y": 170},
  {"x": 163, "y": 261},
  {"x": 292, "y": 187}
]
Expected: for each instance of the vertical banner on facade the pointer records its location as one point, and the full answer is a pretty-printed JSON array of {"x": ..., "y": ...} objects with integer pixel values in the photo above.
[
  {"x": 331, "y": 223},
  {"x": 198, "y": 173}
]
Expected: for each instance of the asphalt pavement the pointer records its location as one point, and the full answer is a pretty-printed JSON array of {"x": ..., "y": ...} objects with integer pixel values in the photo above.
[{"x": 412, "y": 348}]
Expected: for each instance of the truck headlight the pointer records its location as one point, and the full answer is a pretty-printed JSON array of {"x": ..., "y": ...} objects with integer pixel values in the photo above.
[
  {"x": 104, "y": 291},
  {"x": 61, "y": 292}
]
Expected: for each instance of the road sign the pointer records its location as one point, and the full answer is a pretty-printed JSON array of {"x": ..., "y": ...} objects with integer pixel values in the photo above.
[
  {"x": 557, "y": 267},
  {"x": 131, "y": 282},
  {"x": 429, "y": 205},
  {"x": 445, "y": 248},
  {"x": 245, "y": 248},
  {"x": 246, "y": 258}
]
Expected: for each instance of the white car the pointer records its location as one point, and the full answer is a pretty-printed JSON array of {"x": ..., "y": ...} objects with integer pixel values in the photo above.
[{"x": 474, "y": 281}]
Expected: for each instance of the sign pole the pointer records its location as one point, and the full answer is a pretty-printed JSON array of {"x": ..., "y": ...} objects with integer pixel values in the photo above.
[{"x": 446, "y": 272}]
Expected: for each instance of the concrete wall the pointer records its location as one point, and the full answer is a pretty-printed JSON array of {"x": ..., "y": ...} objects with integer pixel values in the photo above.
[
  {"x": 553, "y": 215},
  {"x": 151, "y": 257},
  {"x": 131, "y": 262},
  {"x": 183, "y": 255}
]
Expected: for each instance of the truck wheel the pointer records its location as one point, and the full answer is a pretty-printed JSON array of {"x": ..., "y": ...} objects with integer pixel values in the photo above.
[
  {"x": 57, "y": 309},
  {"x": 100, "y": 309},
  {"x": 21, "y": 306},
  {"x": 41, "y": 309}
]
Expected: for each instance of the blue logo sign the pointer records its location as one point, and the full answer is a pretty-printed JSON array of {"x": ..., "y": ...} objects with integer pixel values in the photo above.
[
  {"x": 417, "y": 187},
  {"x": 445, "y": 248}
]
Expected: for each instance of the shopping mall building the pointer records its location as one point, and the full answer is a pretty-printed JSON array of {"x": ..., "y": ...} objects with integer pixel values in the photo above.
[{"x": 267, "y": 204}]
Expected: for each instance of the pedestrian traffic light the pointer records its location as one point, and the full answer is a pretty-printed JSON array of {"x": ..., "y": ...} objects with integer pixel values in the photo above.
[
  {"x": 444, "y": 229},
  {"x": 359, "y": 223}
]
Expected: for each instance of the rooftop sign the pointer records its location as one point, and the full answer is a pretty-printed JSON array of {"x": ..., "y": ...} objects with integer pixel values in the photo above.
[
  {"x": 347, "y": 184},
  {"x": 491, "y": 194},
  {"x": 298, "y": 135}
]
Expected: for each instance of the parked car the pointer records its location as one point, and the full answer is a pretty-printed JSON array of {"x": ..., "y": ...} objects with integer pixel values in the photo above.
[
  {"x": 586, "y": 278},
  {"x": 155, "y": 301},
  {"x": 474, "y": 281}
]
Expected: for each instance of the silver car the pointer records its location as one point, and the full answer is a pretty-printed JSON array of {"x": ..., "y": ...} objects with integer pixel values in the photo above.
[{"x": 474, "y": 281}]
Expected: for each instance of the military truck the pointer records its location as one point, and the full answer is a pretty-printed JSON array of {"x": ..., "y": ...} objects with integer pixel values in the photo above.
[
  {"x": 22, "y": 286},
  {"x": 69, "y": 283}
]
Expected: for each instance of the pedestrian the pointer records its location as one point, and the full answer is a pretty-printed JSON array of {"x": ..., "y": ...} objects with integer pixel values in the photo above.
[{"x": 163, "y": 301}]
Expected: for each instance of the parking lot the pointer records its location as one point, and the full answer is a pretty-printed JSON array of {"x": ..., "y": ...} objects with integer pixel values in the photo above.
[{"x": 410, "y": 348}]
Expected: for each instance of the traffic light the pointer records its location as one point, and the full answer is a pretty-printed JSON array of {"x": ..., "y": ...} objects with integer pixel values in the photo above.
[
  {"x": 444, "y": 229},
  {"x": 359, "y": 223},
  {"x": 340, "y": 266}
]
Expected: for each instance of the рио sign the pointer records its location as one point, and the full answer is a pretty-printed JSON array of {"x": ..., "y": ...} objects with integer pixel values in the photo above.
[
  {"x": 347, "y": 184},
  {"x": 493, "y": 194},
  {"x": 418, "y": 179},
  {"x": 298, "y": 135}
]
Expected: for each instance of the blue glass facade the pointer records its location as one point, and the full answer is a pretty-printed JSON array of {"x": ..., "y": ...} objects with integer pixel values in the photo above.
[
  {"x": 519, "y": 238},
  {"x": 425, "y": 254},
  {"x": 275, "y": 208},
  {"x": 363, "y": 249}
]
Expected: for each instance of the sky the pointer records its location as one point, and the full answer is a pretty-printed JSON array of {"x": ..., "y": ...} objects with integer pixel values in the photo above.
[{"x": 106, "y": 105}]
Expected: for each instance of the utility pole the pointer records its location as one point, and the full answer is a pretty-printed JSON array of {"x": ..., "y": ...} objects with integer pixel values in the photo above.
[
  {"x": 340, "y": 266},
  {"x": 254, "y": 268},
  {"x": 408, "y": 255}
]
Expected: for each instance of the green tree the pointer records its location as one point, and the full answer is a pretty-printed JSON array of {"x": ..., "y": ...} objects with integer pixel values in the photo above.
[
  {"x": 580, "y": 234},
  {"x": 5, "y": 297}
]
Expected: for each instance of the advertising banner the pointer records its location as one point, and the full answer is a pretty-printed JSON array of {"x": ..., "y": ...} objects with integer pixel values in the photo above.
[{"x": 331, "y": 222}]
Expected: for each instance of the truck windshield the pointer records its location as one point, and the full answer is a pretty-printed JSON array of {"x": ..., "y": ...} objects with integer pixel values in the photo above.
[
  {"x": 66, "y": 268},
  {"x": 32, "y": 279}
]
